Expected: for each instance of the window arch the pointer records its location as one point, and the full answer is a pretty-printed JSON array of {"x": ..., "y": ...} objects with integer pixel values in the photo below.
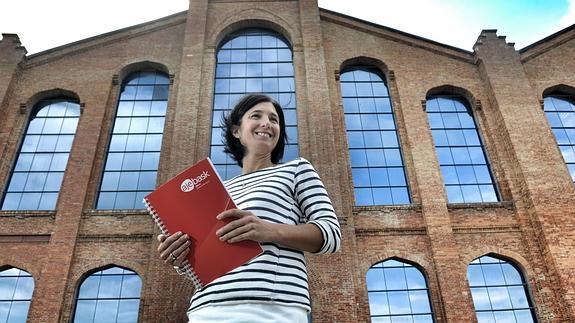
[
  {"x": 560, "y": 112},
  {"x": 16, "y": 288},
  {"x": 398, "y": 292},
  {"x": 466, "y": 173},
  {"x": 109, "y": 295},
  {"x": 36, "y": 178},
  {"x": 134, "y": 150},
  {"x": 376, "y": 161},
  {"x": 252, "y": 60},
  {"x": 499, "y": 291}
]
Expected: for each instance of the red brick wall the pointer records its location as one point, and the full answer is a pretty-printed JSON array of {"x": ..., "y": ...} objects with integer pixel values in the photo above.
[{"x": 533, "y": 226}]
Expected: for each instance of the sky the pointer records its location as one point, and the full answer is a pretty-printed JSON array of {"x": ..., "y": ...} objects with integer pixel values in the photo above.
[{"x": 45, "y": 24}]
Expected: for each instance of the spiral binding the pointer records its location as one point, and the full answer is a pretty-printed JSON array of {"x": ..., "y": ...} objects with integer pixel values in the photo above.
[{"x": 188, "y": 269}]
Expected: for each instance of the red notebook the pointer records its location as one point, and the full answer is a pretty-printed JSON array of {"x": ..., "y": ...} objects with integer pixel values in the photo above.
[{"x": 190, "y": 202}]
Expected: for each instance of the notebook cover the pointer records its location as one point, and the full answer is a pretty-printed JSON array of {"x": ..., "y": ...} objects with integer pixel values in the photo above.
[{"x": 190, "y": 202}]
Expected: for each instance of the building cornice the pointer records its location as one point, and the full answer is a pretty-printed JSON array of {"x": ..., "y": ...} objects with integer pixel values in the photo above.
[
  {"x": 544, "y": 45},
  {"x": 103, "y": 39},
  {"x": 397, "y": 35}
]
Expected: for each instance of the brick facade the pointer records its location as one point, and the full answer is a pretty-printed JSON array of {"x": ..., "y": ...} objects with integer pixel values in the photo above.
[{"x": 533, "y": 226}]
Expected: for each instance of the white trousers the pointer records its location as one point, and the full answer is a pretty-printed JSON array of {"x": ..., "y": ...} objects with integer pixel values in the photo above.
[{"x": 249, "y": 313}]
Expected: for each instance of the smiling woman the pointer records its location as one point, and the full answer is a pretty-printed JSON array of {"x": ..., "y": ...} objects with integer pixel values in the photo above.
[
  {"x": 284, "y": 207},
  {"x": 256, "y": 120}
]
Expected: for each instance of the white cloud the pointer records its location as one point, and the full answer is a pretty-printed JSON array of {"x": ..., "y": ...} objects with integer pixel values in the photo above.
[
  {"x": 42, "y": 24},
  {"x": 432, "y": 19},
  {"x": 569, "y": 18}
]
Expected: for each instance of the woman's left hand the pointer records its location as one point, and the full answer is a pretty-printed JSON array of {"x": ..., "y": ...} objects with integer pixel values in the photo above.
[{"x": 247, "y": 226}]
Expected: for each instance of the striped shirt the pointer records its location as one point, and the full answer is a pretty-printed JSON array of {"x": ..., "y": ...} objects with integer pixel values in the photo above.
[{"x": 291, "y": 193}]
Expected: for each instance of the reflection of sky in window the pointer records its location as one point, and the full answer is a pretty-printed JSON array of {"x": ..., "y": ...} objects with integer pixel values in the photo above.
[
  {"x": 377, "y": 166},
  {"x": 252, "y": 60},
  {"x": 397, "y": 291},
  {"x": 111, "y": 295},
  {"x": 498, "y": 291},
  {"x": 134, "y": 151},
  {"x": 39, "y": 169},
  {"x": 464, "y": 167},
  {"x": 560, "y": 112},
  {"x": 16, "y": 288}
]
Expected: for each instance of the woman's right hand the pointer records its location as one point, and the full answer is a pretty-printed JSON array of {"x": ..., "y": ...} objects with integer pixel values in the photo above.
[{"x": 174, "y": 249}]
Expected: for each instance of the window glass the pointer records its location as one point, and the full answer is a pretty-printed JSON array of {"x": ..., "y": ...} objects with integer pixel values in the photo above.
[
  {"x": 499, "y": 291},
  {"x": 36, "y": 177},
  {"x": 111, "y": 295},
  {"x": 135, "y": 144},
  {"x": 376, "y": 162},
  {"x": 397, "y": 292},
  {"x": 464, "y": 166},
  {"x": 252, "y": 60},
  {"x": 16, "y": 288},
  {"x": 560, "y": 112}
]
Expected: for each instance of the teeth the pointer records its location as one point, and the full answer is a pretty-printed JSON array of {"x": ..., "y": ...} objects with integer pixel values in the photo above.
[{"x": 263, "y": 134}]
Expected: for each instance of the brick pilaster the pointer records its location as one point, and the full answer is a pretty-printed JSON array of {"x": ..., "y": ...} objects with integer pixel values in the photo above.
[{"x": 549, "y": 226}]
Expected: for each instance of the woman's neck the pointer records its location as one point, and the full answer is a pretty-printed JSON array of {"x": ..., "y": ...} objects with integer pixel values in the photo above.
[{"x": 252, "y": 163}]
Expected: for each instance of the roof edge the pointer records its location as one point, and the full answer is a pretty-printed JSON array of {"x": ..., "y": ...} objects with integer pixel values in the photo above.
[
  {"x": 403, "y": 33},
  {"x": 547, "y": 39},
  {"x": 116, "y": 32}
]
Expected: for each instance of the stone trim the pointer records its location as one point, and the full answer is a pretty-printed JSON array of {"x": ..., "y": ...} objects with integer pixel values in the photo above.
[
  {"x": 493, "y": 229},
  {"x": 115, "y": 237},
  {"x": 27, "y": 214},
  {"x": 510, "y": 205},
  {"x": 387, "y": 208},
  {"x": 23, "y": 238},
  {"x": 390, "y": 232},
  {"x": 114, "y": 213}
]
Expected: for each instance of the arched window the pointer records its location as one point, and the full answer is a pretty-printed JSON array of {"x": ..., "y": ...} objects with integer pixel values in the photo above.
[
  {"x": 110, "y": 295},
  {"x": 376, "y": 162},
  {"x": 463, "y": 162},
  {"x": 252, "y": 60},
  {"x": 134, "y": 150},
  {"x": 398, "y": 292},
  {"x": 560, "y": 112},
  {"x": 16, "y": 287},
  {"x": 37, "y": 175},
  {"x": 499, "y": 291}
]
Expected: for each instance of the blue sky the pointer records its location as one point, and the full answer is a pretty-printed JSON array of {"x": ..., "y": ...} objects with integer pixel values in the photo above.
[
  {"x": 452, "y": 22},
  {"x": 459, "y": 22}
]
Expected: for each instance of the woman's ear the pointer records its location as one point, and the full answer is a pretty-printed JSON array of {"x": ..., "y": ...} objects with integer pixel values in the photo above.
[{"x": 236, "y": 131}]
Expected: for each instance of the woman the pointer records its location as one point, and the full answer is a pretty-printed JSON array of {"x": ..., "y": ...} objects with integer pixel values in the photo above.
[{"x": 283, "y": 207}]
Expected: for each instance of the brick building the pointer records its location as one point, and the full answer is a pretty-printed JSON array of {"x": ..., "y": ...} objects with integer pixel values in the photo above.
[{"x": 468, "y": 194}]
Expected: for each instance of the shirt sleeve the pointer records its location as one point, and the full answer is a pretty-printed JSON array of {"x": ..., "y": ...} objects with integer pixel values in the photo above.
[{"x": 316, "y": 206}]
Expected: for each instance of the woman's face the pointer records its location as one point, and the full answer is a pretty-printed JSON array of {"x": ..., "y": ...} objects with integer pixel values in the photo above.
[{"x": 259, "y": 129}]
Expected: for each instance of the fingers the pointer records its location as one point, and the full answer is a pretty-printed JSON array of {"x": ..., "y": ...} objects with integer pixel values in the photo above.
[
  {"x": 232, "y": 225},
  {"x": 181, "y": 257},
  {"x": 168, "y": 240},
  {"x": 180, "y": 253},
  {"x": 239, "y": 233},
  {"x": 232, "y": 213},
  {"x": 176, "y": 245}
]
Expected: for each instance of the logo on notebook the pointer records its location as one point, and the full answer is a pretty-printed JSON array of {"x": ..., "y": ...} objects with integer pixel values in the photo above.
[{"x": 189, "y": 184}]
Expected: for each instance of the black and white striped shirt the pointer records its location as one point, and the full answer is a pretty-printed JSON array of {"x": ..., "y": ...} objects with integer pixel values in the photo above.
[{"x": 291, "y": 193}]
